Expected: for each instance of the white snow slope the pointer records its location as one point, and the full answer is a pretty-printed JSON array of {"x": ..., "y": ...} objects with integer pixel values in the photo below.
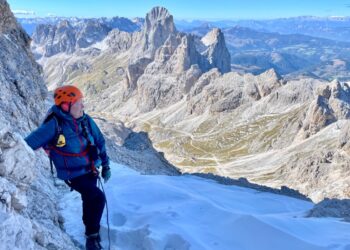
[{"x": 187, "y": 212}]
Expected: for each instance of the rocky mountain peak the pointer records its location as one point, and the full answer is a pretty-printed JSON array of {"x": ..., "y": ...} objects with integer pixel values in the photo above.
[
  {"x": 185, "y": 55},
  {"x": 212, "y": 37},
  {"x": 91, "y": 32},
  {"x": 217, "y": 52},
  {"x": 159, "y": 24},
  {"x": 158, "y": 14},
  {"x": 271, "y": 74},
  {"x": 332, "y": 103},
  {"x": 64, "y": 24}
]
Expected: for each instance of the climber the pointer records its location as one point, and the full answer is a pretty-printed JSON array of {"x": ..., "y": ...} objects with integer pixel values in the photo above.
[{"x": 76, "y": 146}]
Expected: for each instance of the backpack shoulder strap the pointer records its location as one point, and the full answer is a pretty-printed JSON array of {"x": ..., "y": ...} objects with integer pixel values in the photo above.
[
  {"x": 58, "y": 122},
  {"x": 87, "y": 128},
  {"x": 51, "y": 115}
]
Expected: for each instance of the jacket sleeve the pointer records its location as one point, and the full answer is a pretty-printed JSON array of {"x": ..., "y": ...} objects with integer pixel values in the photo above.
[
  {"x": 99, "y": 141},
  {"x": 42, "y": 135}
]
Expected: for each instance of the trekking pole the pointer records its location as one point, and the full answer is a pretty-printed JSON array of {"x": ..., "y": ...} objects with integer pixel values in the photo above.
[{"x": 109, "y": 238}]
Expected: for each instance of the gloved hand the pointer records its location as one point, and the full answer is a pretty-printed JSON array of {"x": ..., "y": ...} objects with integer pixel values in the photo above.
[{"x": 106, "y": 173}]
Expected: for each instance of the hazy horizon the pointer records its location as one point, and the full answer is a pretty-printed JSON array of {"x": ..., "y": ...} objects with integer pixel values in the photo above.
[
  {"x": 182, "y": 9},
  {"x": 189, "y": 19}
]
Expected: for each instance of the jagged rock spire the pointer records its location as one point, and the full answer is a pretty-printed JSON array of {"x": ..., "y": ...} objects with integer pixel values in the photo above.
[
  {"x": 217, "y": 52},
  {"x": 159, "y": 24}
]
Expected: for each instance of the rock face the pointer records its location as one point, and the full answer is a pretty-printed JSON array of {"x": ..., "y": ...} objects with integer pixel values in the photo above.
[
  {"x": 62, "y": 39},
  {"x": 217, "y": 52},
  {"x": 28, "y": 205},
  {"x": 226, "y": 93},
  {"x": 344, "y": 139},
  {"x": 332, "y": 208},
  {"x": 118, "y": 40},
  {"x": 8, "y": 25},
  {"x": 90, "y": 33},
  {"x": 159, "y": 24},
  {"x": 155, "y": 52},
  {"x": 332, "y": 103},
  {"x": 165, "y": 64},
  {"x": 29, "y": 217},
  {"x": 22, "y": 89},
  {"x": 134, "y": 149},
  {"x": 66, "y": 38}
]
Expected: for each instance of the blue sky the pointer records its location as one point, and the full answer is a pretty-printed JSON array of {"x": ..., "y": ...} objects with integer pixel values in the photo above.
[{"x": 184, "y": 9}]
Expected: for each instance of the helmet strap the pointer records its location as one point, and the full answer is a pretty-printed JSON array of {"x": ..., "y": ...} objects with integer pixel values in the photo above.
[{"x": 69, "y": 106}]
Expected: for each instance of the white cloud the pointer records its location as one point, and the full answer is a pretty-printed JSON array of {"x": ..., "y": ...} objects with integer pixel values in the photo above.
[
  {"x": 23, "y": 12},
  {"x": 51, "y": 15}
]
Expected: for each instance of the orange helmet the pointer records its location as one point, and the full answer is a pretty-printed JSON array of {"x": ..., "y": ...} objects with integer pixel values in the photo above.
[{"x": 68, "y": 94}]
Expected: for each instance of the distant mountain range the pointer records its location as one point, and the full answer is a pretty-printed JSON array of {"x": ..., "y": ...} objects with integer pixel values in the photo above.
[
  {"x": 256, "y": 51},
  {"x": 122, "y": 23},
  {"x": 251, "y": 50},
  {"x": 336, "y": 28}
]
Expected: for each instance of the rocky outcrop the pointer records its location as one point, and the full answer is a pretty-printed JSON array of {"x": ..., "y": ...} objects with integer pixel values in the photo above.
[
  {"x": 134, "y": 149},
  {"x": 155, "y": 90},
  {"x": 344, "y": 138},
  {"x": 159, "y": 24},
  {"x": 134, "y": 71},
  {"x": 7, "y": 20},
  {"x": 69, "y": 35},
  {"x": 22, "y": 89},
  {"x": 118, "y": 41},
  {"x": 217, "y": 52},
  {"x": 9, "y": 25},
  {"x": 28, "y": 207},
  {"x": 175, "y": 63},
  {"x": 227, "y": 92},
  {"x": 175, "y": 56},
  {"x": 267, "y": 82},
  {"x": 49, "y": 40},
  {"x": 339, "y": 100},
  {"x": 166, "y": 80},
  {"x": 157, "y": 29},
  {"x": 28, "y": 198},
  {"x": 54, "y": 39},
  {"x": 331, "y": 208},
  {"x": 121, "y": 23},
  {"x": 203, "y": 81},
  {"x": 62, "y": 40},
  {"x": 332, "y": 103},
  {"x": 90, "y": 33},
  {"x": 184, "y": 56}
]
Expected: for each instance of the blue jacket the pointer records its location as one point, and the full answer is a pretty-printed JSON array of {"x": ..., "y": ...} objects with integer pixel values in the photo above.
[{"x": 69, "y": 167}]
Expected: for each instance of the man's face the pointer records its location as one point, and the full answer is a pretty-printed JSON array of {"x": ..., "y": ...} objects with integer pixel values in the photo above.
[{"x": 77, "y": 109}]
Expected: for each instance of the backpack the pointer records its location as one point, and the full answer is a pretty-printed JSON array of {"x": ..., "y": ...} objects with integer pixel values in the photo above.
[{"x": 60, "y": 141}]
